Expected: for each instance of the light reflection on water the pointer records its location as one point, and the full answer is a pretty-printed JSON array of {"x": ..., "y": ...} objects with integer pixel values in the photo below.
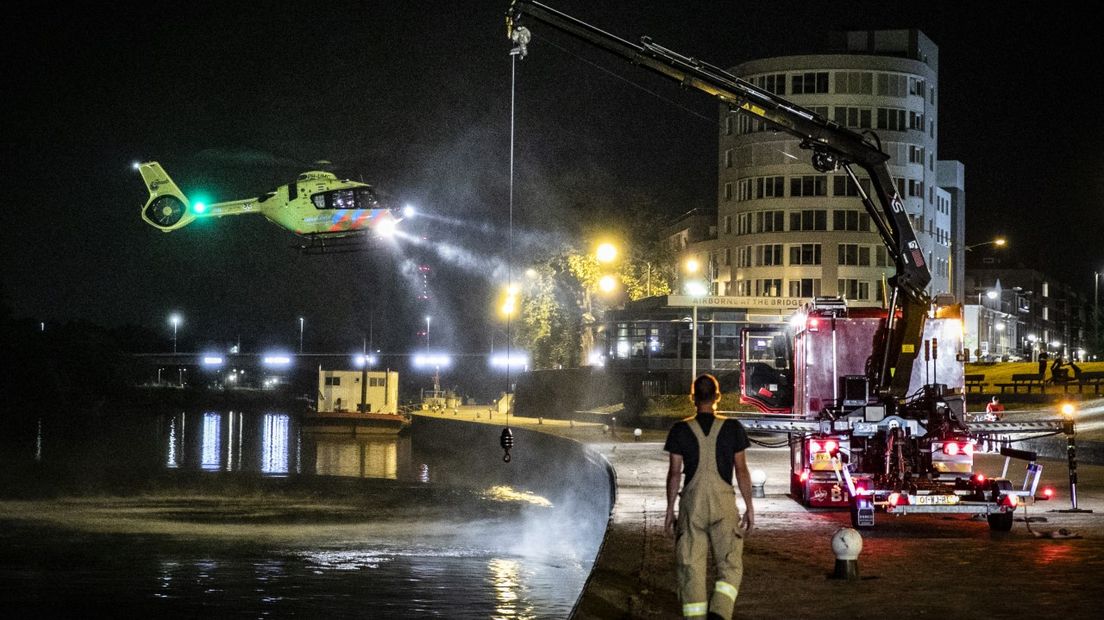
[
  {"x": 211, "y": 450},
  {"x": 273, "y": 443},
  {"x": 461, "y": 572}
]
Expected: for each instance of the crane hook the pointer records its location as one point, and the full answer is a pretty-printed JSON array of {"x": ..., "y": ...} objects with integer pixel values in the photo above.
[{"x": 506, "y": 440}]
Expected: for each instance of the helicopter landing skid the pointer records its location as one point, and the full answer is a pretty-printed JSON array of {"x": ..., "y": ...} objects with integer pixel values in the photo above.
[{"x": 333, "y": 245}]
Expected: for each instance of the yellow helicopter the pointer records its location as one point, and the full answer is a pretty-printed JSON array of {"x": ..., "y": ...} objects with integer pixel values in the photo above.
[{"x": 316, "y": 206}]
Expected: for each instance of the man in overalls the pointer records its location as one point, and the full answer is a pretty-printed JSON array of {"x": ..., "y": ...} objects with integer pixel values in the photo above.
[{"x": 706, "y": 447}]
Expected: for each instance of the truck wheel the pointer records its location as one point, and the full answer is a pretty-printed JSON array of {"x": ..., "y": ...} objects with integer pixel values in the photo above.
[{"x": 1000, "y": 521}]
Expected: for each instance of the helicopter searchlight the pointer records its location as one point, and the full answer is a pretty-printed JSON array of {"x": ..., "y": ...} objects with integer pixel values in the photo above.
[{"x": 317, "y": 206}]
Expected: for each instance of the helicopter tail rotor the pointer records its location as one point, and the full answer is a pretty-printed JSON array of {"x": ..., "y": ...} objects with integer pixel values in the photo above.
[{"x": 167, "y": 208}]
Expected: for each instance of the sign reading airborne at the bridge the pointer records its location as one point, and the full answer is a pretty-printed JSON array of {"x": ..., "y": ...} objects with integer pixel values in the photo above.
[
  {"x": 757, "y": 303},
  {"x": 788, "y": 304}
]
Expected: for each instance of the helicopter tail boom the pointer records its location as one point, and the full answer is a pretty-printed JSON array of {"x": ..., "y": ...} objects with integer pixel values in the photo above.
[{"x": 167, "y": 208}]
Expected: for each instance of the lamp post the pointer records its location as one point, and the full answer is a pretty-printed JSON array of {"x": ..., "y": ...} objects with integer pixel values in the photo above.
[
  {"x": 1096, "y": 311},
  {"x": 607, "y": 252},
  {"x": 694, "y": 288},
  {"x": 1000, "y": 242},
  {"x": 301, "y": 322},
  {"x": 174, "y": 318}
]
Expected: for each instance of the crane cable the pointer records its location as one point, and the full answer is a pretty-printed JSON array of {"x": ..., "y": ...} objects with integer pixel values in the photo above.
[{"x": 506, "y": 440}]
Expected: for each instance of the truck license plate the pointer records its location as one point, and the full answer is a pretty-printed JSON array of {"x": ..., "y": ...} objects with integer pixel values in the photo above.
[{"x": 935, "y": 500}]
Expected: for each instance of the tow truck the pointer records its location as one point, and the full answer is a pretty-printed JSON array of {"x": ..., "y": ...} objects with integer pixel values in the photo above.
[{"x": 868, "y": 428}]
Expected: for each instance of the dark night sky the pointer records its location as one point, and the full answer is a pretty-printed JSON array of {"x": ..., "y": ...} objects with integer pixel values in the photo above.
[{"x": 414, "y": 96}]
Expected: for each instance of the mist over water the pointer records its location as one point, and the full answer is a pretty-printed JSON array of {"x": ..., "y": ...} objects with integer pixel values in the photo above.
[{"x": 251, "y": 514}]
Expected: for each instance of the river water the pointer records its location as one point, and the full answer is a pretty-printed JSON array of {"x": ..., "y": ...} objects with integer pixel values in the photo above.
[{"x": 252, "y": 514}]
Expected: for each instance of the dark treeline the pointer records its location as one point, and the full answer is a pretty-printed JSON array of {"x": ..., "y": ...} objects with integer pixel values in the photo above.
[{"x": 72, "y": 365}]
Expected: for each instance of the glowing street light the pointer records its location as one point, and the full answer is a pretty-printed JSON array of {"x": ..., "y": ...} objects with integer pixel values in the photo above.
[
  {"x": 175, "y": 319},
  {"x": 1000, "y": 242},
  {"x": 606, "y": 253},
  {"x": 607, "y": 284},
  {"x": 509, "y": 303},
  {"x": 301, "y": 322}
]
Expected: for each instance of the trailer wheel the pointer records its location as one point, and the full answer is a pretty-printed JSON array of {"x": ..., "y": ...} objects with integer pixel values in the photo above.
[{"x": 1000, "y": 521}]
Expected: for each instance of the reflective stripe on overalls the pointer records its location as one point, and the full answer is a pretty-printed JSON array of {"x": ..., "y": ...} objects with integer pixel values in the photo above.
[{"x": 708, "y": 518}]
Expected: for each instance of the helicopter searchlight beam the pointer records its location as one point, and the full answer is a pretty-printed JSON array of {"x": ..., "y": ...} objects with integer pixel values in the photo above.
[{"x": 316, "y": 205}]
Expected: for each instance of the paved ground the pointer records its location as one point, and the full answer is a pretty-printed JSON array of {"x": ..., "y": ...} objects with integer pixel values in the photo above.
[{"x": 945, "y": 567}]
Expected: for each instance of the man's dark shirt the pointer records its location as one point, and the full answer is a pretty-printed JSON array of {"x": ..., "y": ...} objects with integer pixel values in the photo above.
[{"x": 681, "y": 441}]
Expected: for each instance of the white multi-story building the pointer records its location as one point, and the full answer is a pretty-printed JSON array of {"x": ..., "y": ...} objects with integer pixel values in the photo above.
[{"x": 785, "y": 230}]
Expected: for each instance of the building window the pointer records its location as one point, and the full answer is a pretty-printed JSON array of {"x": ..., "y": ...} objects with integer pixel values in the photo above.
[
  {"x": 775, "y": 83},
  {"x": 892, "y": 85},
  {"x": 805, "y": 287},
  {"x": 810, "y": 83},
  {"x": 728, "y": 224},
  {"x": 881, "y": 256},
  {"x": 728, "y": 158},
  {"x": 809, "y": 219},
  {"x": 743, "y": 190},
  {"x": 768, "y": 287},
  {"x": 853, "y": 289},
  {"x": 853, "y": 254},
  {"x": 812, "y": 185},
  {"x": 892, "y": 119},
  {"x": 916, "y": 121},
  {"x": 750, "y": 124},
  {"x": 915, "y": 188},
  {"x": 743, "y": 224},
  {"x": 728, "y": 191},
  {"x": 854, "y": 83},
  {"x": 855, "y": 118},
  {"x": 805, "y": 254},
  {"x": 842, "y": 185},
  {"x": 333, "y": 380},
  {"x": 743, "y": 256},
  {"x": 727, "y": 257},
  {"x": 768, "y": 221},
  {"x": 728, "y": 124},
  {"x": 855, "y": 221},
  {"x": 768, "y": 255},
  {"x": 916, "y": 154},
  {"x": 769, "y": 187}
]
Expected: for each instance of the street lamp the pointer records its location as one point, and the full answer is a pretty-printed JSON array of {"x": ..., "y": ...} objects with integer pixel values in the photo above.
[
  {"x": 175, "y": 319},
  {"x": 301, "y": 334},
  {"x": 694, "y": 288},
  {"x": 607, "y": 252},
  {"x": 1000, "y": 242}
]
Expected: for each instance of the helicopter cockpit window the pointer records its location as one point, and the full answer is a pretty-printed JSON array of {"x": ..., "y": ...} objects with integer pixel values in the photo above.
[{"x": 351, "y": 198}]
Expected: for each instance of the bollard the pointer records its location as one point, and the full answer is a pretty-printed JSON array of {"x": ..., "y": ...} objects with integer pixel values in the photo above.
[
  {"x": 758, "y": 479},
  {"x": 847, "y": 543}
]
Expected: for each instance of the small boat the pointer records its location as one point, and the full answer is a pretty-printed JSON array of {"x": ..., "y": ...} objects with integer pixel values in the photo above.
[{"x": 355, "y": 422}]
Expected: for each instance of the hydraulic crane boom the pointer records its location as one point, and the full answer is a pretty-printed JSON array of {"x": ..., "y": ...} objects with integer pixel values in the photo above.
[{"x": 833, "y": 147}]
